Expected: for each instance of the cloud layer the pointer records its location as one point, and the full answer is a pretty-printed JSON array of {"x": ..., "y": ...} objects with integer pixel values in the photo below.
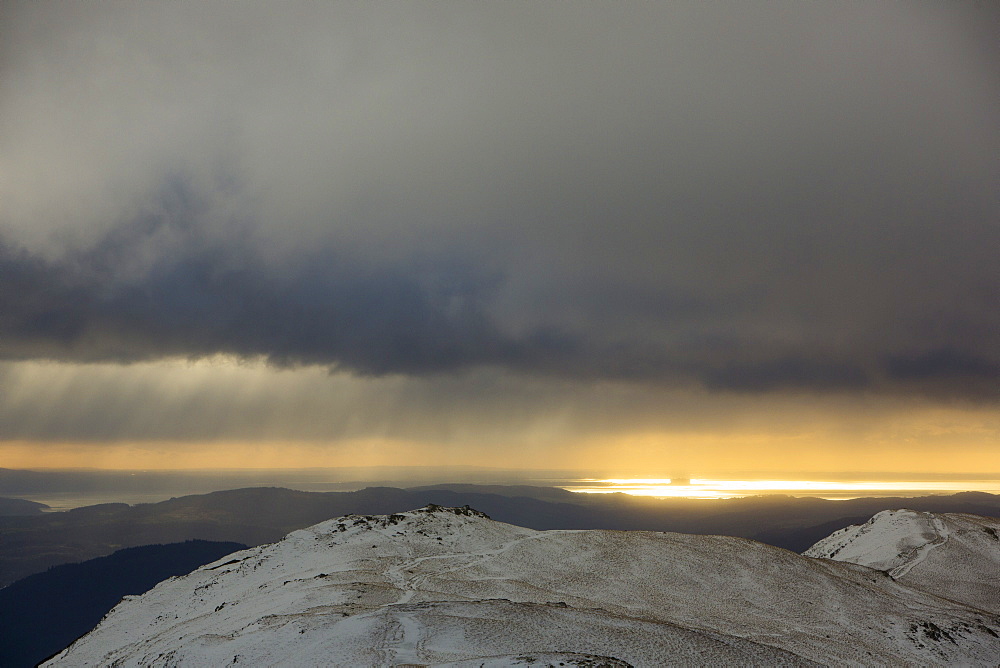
[{"x": 787, "y": 198}]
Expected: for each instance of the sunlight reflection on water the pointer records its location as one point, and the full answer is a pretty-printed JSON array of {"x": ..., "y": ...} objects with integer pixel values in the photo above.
[{"x": 703, "y": 488}]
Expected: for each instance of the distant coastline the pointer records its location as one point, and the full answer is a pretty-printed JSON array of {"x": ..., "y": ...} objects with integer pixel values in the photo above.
[{"x": 65, "y": 490}]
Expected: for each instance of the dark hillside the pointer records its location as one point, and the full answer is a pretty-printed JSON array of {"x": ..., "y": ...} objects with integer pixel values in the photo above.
[
  {"x": 43, "y": 613},
  {"x": 20, "y": 507},
  {"x": 265, "y": 514}
]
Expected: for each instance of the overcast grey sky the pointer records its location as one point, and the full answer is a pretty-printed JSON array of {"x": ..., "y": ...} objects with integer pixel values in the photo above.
[{"x": 453, "y": 206}]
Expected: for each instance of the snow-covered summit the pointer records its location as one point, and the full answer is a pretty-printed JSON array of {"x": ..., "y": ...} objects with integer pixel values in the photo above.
[
  {"x": 893, "y": 540},
  {"x": 953, "y": 555},
  {"x": 449, "y": 586}
]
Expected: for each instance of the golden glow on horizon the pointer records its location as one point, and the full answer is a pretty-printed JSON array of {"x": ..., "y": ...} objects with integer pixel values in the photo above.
[
  {"x": 913, "y": 442},
  {"x": 226, "y": 413},
  {"x": 375, "y": 452},
  {"x": 617, "y": 462}
]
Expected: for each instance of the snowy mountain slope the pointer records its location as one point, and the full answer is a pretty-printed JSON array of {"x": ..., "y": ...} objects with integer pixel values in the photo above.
[
  {"x": 952, "y": 555},
  {"x": 442, "y": 586}
]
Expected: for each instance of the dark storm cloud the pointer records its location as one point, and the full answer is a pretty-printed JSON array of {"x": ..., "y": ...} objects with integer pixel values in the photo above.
[
  {"x": 788, "y": 374},
  {"x": 203, "y": 297},
  {"x": 947, "y": 371},
  {"x": 784, "y": 197},
  {"x": 942, "y": 363}
]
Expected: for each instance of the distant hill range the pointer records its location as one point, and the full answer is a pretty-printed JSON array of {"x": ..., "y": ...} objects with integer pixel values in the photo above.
[
  {"x": 252, "y": 516},
  {"x": 20, "y": 507}
]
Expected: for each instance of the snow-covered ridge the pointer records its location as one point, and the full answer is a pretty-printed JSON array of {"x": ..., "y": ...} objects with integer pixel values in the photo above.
[
  {"x": 893, "y": 541},
  {"x": 953, "y": 555},
  {"x": 450, "y": 587}
]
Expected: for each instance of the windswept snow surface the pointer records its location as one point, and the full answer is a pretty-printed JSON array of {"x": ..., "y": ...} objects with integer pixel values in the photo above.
[
  {"x": 953, "y": 555},
  {"x": 450, "y": 587}
]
